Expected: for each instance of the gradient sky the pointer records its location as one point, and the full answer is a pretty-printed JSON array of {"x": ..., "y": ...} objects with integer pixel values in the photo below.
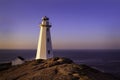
[{"x": 76, "y": 24}]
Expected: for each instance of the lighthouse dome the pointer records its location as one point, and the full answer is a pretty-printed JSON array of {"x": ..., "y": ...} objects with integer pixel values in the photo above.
[{"x": 45, "y": 18}]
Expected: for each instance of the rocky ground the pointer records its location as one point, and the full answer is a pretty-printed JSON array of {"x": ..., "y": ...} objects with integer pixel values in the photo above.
[{"x": 53, "y": 69}]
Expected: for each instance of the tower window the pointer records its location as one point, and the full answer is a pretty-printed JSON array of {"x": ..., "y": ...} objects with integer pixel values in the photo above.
[
  {"x": 48, "y": 51},
  {"x": 48, "y": 39},
  {"x": 47, "y": 29}
]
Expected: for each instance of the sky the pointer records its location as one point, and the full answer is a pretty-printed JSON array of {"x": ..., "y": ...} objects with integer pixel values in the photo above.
[{"x": 76, "y": 24}]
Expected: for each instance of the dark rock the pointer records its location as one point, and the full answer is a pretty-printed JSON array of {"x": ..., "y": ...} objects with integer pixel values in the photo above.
[{"x": 4, "y": 66}]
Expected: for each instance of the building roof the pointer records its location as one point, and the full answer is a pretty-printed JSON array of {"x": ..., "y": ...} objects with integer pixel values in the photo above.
[{"x": 20, "y": 58}]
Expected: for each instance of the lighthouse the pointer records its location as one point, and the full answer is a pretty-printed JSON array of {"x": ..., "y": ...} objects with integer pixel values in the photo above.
[{"x": 44, "y": 49}]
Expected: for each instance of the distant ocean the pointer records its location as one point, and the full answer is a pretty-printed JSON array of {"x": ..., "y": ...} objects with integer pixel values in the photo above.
[{"x": 104, "y": 60}]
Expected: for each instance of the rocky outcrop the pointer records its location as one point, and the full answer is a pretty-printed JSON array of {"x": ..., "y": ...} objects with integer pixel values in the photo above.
[{"x": 53, "y": 69}]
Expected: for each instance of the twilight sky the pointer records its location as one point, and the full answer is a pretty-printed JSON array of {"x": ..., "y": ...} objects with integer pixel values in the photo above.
[{"x": 76, "y": 24}]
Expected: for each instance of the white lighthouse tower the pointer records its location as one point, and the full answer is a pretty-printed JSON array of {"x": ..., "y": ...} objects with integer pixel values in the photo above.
[{"x": 44, "y": 50}]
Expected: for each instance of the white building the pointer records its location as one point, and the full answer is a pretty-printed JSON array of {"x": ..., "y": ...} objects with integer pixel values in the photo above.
[
  {"x": 19, "y": 60},
  {"x": 44, "y": 50}
]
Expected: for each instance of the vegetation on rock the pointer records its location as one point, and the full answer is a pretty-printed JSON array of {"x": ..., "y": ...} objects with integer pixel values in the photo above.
[{"x": 53, "y": 69}]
